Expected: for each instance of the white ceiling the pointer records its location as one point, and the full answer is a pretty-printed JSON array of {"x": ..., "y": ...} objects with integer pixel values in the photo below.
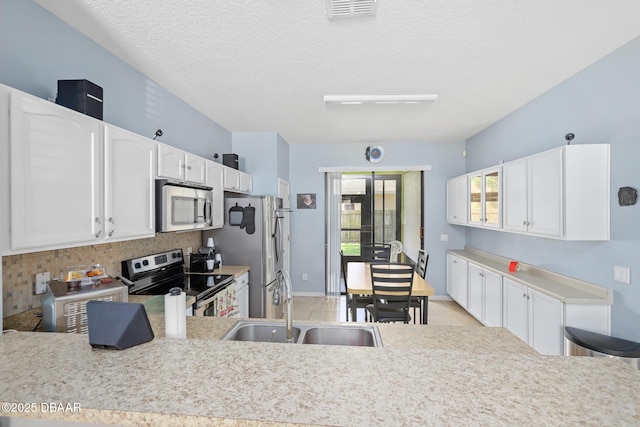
[{"x": 265, "y": 65}]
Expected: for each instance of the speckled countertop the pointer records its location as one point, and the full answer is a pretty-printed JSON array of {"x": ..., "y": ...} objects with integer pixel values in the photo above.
[{"x": 424, "y": 375}]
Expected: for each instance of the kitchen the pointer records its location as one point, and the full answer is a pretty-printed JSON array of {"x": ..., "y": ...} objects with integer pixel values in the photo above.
[{"x": 604, "y": 111}]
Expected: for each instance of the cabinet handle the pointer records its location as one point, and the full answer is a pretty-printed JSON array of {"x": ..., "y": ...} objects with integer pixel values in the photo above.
[
  {"x": 524, "y": 295},
  {"x": 524, "y": 222},
  {"x": 100, "y": 229},
  {"x": 189, "y": 167},
  {"x": 113, "y": 226}
]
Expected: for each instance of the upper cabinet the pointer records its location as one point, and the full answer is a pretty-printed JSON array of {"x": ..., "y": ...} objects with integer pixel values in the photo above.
[
  {"x": 562, "y": 193},
  {"x": 457, "y": 200},
  {"x": 237, "y": 181},
  {"x": 180, "y": 165},
  {"x": 129, "y": 168},
  {"x": 55, "y": 174},
  {"x": 73, "y": 179},
  {"x": 484, "y": 198}
]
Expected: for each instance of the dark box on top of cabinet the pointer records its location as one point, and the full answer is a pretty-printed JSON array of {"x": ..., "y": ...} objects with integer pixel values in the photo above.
[
  {"x": 230, "y": 160},
  {"x": 82, "y": 96}
]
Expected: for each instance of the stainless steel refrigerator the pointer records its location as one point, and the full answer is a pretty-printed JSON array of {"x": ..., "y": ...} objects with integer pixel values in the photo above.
[{"x": 252, "y": 235}]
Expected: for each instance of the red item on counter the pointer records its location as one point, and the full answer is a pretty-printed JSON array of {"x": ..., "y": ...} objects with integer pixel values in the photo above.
[{"x": 513, "y": 266}]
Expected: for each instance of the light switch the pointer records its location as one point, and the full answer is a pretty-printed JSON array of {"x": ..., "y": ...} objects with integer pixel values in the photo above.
[{"x": 622, "y": 274}]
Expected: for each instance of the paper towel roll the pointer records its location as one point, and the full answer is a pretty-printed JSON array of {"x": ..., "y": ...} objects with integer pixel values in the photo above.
[{"x": 175, "y": 318}]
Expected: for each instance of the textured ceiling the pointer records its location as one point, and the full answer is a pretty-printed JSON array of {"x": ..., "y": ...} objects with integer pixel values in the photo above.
[{"x": 265, "y": 65}]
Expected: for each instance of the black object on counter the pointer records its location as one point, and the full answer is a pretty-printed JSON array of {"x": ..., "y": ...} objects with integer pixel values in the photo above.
[
  {"x": 117, "y": 325},
  {"x": 602, "y": 343}
]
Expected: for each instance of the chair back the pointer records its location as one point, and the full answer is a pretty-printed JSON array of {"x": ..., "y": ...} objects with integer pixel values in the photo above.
[
  {"x": 423, "y": 261},
  {"x": 343, "y": 267},
  {"x": 376, "y": 252},
  {"x": 391, "y": 285}
]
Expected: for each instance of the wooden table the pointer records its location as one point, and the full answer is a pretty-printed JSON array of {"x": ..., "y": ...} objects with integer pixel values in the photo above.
[{"x": 359, "y": 283}]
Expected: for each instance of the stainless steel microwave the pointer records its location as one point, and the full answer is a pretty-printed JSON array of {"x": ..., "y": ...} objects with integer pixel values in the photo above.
[{"x": 181, "y": 206}]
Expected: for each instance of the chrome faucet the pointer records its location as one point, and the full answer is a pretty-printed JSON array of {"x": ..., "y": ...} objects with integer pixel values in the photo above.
[{"x": 283, "y": 277}]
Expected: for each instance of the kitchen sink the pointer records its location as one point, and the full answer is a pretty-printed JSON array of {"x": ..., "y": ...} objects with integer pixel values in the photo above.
[
  {"x": 305, "y": 333},
  {"x": 260, "y": 332}
]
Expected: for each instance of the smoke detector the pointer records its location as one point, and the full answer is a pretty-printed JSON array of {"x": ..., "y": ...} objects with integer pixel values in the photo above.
[{"x": 350, "y": 8}]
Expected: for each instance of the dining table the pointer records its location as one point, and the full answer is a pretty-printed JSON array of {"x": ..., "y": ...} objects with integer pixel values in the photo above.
[{"x": 359, "y": 283}]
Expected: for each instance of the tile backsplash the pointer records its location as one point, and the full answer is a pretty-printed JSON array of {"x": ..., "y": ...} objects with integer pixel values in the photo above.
[{"x": 18, "y": 271}]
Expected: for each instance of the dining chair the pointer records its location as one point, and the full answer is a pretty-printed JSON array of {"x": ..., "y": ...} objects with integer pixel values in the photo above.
[
  {"x": 376, "y": 252},
  {"x": 421, "y": 270},
  {"x": 394, "y": 279},
  {"x": 361, "y": 300}
]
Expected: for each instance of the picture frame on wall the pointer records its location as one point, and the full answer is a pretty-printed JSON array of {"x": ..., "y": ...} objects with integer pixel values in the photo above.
[{"x": 306, "y": 200}]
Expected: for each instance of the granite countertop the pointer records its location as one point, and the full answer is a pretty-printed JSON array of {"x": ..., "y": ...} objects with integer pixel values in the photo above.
[
  {"x": 424, "y": 375},
  {"x": 566, "y": 289}
]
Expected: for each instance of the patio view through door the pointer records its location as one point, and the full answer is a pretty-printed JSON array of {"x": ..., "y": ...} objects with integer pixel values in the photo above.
[{"x": 380, "y": 207}]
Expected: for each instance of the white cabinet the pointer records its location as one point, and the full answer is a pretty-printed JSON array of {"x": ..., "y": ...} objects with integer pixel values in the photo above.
[
  {"x": 457, "y": 279},
  {"x": 485, "y": 295},
  {"x": 242, "y": 289},
  {"x": 177, "y": 164},
  {"x": 231, "y": 179},
  {"x": 457, "y": 200},
  {"x": 74, "y": 180},
  {"x": 532, "y": 191},
  {"x": 129, "y": 209},
  {"x": 246, "y": 182},
  {"x": 535, "y": 318},
  {"x": 237, "y": 181},
  {"x": 215, "y": 180},
  {"x": 484, "y": 198},
  {"x": 561, "y": 193},
  {"x": 55, "y": 174}
]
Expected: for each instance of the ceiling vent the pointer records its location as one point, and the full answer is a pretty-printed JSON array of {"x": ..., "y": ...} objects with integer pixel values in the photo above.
[{"x": 350, "y": 8}]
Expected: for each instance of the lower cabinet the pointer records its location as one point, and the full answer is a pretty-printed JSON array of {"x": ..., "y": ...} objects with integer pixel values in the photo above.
[
  {"x": 457, "y": 280},
  {"x": 535, "y": 318},
  {"x": 485, "y": 295}
]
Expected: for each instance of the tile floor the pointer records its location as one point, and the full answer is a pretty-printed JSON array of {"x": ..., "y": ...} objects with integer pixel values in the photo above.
[{"x": 333, "y": 309}]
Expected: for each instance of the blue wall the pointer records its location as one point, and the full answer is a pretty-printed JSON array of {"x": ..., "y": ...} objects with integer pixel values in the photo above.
[
  {"x": 600, "y": 104},
  {"x": 307, "y": 225},
  {"x": 37, "y": 49}
]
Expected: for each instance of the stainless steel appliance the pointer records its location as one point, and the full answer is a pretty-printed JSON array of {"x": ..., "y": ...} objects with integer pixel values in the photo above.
[
  {"x": 182, "y": 207},
  {"x": 252, "y": 235},
  {"x": 64, "y": 308},
  {"x": 156, "y": 274}
]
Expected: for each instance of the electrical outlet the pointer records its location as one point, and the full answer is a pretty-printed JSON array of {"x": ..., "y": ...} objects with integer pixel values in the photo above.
[
  {"x": 189, "y": 250},
  {"x": 305, "y": 276},
  {"x": 41, "y": 282},
  {"x": 444, "y": 237},
  {"x": 622, "y": 274}
]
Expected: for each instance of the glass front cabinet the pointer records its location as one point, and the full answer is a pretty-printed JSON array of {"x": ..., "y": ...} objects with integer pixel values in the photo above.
[{"x": 484, "y": 198}]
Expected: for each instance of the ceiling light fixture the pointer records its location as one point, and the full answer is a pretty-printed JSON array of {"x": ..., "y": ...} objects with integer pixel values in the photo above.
[
  {"x": 379, "y": 99},
  {"x": 350, "y": 8}
]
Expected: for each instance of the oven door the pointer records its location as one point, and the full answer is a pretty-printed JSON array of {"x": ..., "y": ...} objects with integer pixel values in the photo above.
[{"x": 223, "y": 303}]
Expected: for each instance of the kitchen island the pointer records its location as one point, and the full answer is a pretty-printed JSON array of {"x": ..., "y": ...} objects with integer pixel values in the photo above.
[{"x": 424, "y": 375}]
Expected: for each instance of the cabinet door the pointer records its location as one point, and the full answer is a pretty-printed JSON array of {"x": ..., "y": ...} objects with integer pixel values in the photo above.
[
  {"x": 195, "y": 169},
  {"x": 246, "y": 182},
  {"x": 457, "y": 280},
  {"x": 492, "y": 299},
  {"x": 231, "y": 179},
  {"x": 171, "y": 162},
  {"x": 475, "y": 199},
  {"x": 475, "y": 290},
  {"x": 457, "y": 200},
  {"x": 215, "y": 180},
  {"x": 55, "y": 174},
  {"x": 129, "y": 163},
  {"x": 516, "y": 316},
  {"x": 491, "y": 198},
  {"x": 545, "y": 324},
  {"x": 545, "y": 193},
  {"x": 514, "y": 192}
]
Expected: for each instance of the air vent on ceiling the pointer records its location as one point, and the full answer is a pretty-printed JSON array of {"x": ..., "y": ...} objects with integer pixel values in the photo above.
[{"x": 349, "y": 8}]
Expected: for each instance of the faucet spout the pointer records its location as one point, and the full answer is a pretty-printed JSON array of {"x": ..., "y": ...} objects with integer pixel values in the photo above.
[{"x": 288, "y": 300}]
